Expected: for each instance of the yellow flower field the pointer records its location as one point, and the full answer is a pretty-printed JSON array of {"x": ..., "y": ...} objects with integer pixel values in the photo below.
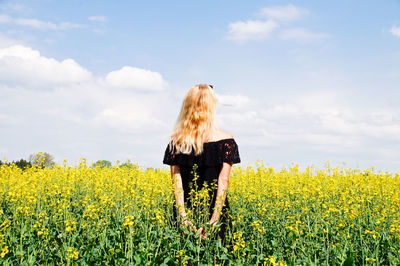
[{"x": 122, "y": 215}]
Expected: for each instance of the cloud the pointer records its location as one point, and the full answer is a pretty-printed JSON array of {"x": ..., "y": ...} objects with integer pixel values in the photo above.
[
  {"x": 236, "y": 100},
  {"x": 302, "y": 35},
  {"x": 242, "y": 31},
  {"x": 284, "y": 13},
  {"x": 5, "y": 41},
  {"x": 35, "y": 23},
  {"x": 62, "y": 102},
  {"x": 135, "y": 78},
  {"x": 317, "y": 121},
  {"x": 98, "y": 18},
  {"x": 129, "y": 116},
  {"x": 23, "y": 66},
  {"x": 395, "y": 30},
  {"x": 38, "y": 24}
]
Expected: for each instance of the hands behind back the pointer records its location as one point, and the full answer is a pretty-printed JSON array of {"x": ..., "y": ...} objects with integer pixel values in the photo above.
[
  {"x": 211, "y": 227},
  {"x": 188, "y": 225}
]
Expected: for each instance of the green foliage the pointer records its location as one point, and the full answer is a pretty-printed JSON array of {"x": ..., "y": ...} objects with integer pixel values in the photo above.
[
  {"x": 102, "y": 164},
  {"x": 129, "y": 164},
  {"x": 23, "y": 164}
]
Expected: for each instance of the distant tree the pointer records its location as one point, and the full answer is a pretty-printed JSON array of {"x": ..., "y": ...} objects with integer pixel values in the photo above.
[
  {"x": 23, "y": 164},
  {"x": 102, "y": 164},
  {"x": 129, "y": 164},
  {"x": 42, "y": 159}
]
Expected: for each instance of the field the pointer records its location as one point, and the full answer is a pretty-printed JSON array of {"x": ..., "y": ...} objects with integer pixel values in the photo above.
[{"x": 121, "y": 215}]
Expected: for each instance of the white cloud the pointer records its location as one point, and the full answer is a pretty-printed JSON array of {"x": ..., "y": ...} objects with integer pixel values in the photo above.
[
  {"x": 79, "y": 115},
  {"x": 242, "y": 31},
  {"x": 35, "y": 23},
  {"x": 87, "y": 118},
  {"x": 98, "y": 18},
  {"x": 248, "y": 118},
  {"x": 135, "y": 78},
  {"x": 38, "y": 24},
  {"x": 23, "y": 66},
  {"x": 395, "y": 30},
  {"x": 317, "y": 121},
  {"x": 5, "y": 41},
  {"x": 288, "y": 12},
  {"x": 129, "y": 116},
  {"x": 302, "y": 35},
  {"x": 315, "y": 141},
  {"x": 236, "y": 100}
]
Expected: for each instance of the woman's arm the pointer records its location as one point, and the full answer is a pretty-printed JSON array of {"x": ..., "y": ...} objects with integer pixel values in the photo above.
[
  {"x": 179, "y": 197},
  {"x": 223, "y": 183},
  {"x": 178, "y": 190}
]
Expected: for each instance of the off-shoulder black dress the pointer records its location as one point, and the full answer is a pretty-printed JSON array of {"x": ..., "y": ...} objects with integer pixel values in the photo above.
[{"x": 209, "y": 165}]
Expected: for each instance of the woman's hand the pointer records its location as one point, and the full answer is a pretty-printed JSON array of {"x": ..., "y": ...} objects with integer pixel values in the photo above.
[
  {"x": 202, "y": 233},
  {"x": 212, "y": 224},
  {"x": 188, "y": 224}
]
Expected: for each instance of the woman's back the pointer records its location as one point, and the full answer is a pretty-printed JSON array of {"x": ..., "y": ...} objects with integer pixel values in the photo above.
[
  {"x": 220, "y": 147},
  {"x": 203, "y": 170},
  {"x": 201, "y": 156}
]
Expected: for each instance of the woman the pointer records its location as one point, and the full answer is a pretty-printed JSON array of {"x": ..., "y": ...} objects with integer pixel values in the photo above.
[{"x": 201, "y": 155}]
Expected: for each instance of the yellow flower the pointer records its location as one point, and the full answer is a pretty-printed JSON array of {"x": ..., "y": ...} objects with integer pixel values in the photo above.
[
  {"x": 4, "y": 251},
  {"x": 129, "y": 221},
  {"x": 70, "y": 225},
  {"x": 72, "y": 253}
]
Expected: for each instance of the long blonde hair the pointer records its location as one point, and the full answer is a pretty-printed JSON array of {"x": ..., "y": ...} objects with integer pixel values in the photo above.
[{"x": 195, "y": 121}]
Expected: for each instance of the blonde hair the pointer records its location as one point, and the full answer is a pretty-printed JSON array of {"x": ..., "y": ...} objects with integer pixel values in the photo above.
[{"x": 195, "y": 121}]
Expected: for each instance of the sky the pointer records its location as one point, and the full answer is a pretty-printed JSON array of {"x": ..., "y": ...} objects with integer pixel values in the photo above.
[{"x": 301, "y": 82}]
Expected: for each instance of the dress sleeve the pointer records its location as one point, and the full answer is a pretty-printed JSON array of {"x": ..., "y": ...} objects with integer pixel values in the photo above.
[
  {"x": 230, "y": 152},
  {"x": 169, "y": 156}
]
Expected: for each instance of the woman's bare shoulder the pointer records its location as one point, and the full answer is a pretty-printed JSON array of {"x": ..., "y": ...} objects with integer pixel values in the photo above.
[{"x": 221, "y": 134}]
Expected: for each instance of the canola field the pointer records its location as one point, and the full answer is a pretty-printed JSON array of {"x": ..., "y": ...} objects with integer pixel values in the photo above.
[{"x": 77, "y": 215}]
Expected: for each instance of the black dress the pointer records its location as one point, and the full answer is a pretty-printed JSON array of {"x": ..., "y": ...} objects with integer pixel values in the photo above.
[{"x": 206, "y": 167}]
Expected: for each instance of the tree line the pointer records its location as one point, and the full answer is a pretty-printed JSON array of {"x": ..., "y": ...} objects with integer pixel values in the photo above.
[{"x": 46, "y": 160}]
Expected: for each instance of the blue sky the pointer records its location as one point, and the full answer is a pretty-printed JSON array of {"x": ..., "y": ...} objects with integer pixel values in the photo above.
[{"x": 304, "y": 81}]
